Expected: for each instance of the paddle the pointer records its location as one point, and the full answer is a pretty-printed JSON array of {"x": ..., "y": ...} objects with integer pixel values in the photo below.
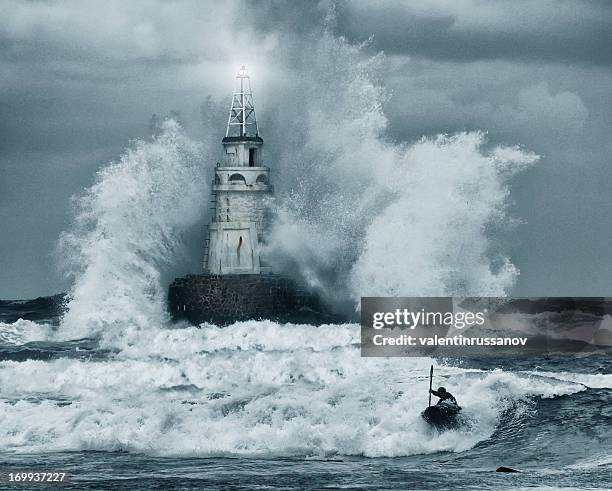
[{"x": 430, "y": 380}]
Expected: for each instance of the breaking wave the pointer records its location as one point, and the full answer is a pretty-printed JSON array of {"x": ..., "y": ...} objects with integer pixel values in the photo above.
[
  {"x": 127, "y": 231},
  {"x": 256, "y": 389}
]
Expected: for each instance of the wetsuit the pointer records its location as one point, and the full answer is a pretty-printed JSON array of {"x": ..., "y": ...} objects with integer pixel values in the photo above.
[{"x": 444, "y": 396}]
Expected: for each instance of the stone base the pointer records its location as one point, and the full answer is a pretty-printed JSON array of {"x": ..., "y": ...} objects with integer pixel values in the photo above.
[{"x": 224, "y": 299}]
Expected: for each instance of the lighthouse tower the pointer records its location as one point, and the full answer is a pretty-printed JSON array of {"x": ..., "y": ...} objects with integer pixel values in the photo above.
[
  {"x": 240, "y": 189},
  {"x": 232, "y": 287}
]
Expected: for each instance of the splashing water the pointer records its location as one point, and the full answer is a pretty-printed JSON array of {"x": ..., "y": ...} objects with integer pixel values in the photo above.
[
  {"x": 431, "y": 240},
  {"x": 369, "y": 217},
  {"x": 128, "y": 228}
]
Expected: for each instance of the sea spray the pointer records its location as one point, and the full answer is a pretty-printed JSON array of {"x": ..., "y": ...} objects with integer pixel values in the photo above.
[
  {"x": 329, "y": 163},
  {"x": 363, "y": 215},
  {"x": 432, "y": 239},
  {"x": 127, "y": 229}
]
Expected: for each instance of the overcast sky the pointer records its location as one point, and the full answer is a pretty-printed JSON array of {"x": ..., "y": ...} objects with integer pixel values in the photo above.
[{"x": 78, "y": 80}]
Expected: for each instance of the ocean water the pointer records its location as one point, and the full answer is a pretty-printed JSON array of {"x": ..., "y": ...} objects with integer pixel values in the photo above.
[{"x": 258, "y": 405}]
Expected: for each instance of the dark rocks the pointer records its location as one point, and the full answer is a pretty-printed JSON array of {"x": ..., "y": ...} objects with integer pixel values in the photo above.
[{"x": 224, "y": 299}]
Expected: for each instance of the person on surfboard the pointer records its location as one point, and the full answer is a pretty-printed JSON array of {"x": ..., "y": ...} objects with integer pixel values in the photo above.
[{"x": 444, "y": 395}]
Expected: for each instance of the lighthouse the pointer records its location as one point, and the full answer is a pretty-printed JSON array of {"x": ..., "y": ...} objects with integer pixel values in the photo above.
[
  {"x": 240, "y": 191},
  {"x": 236, "y": 283}
]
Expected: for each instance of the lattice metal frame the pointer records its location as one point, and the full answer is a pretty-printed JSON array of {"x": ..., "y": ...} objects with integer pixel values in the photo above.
[{"x": 242, "y": 118}]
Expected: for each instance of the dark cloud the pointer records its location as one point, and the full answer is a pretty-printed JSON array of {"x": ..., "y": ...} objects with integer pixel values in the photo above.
[{"x": 566, "y": 31}]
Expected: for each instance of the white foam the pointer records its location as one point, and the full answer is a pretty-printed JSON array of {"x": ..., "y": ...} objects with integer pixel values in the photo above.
[
  {"x": 254, "y": 388},
  {"x": 24, "y": 331}
]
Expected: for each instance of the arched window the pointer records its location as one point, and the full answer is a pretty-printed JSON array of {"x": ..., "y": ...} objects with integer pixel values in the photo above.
[
  {"x": 262, "y": 179},
  {"x": 237, "y": 179}
]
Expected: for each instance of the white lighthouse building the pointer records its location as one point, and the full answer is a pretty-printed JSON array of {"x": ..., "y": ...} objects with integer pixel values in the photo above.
[
  {"x": 240, "y": 189},
  {"x": 232, "y": 287}
]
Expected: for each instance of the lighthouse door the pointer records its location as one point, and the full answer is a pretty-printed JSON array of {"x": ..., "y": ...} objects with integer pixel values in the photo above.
[{"x": 237, "y": 252}]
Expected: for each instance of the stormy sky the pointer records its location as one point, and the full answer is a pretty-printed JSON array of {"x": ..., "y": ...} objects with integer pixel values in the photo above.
[{"x": 79, "y": 80}]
